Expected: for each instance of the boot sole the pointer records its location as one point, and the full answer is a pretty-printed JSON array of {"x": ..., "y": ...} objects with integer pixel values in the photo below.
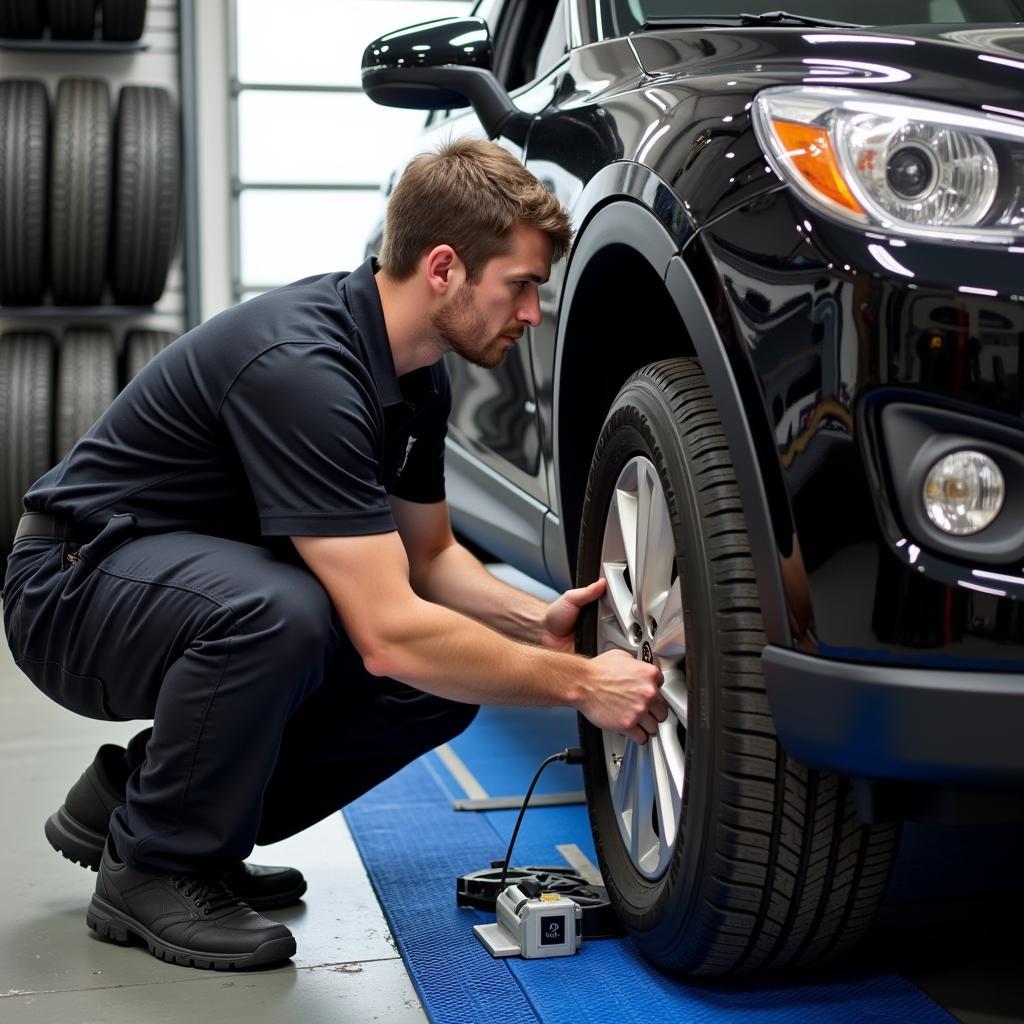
[
  {"x": 73, "y": 840},
  {"x": 81, "y": 845},
  {"x": 111, "y": 924}
]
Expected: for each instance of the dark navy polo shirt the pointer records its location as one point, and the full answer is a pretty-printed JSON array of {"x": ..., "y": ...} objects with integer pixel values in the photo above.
[{"x": 281, "y": 416}]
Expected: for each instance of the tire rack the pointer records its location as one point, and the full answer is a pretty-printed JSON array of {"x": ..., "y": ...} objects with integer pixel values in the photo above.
[{"x": 51, "y": 392}]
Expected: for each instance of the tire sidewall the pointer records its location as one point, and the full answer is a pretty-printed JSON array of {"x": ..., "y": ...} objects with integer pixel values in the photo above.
[{"x": 640, "y": 422}]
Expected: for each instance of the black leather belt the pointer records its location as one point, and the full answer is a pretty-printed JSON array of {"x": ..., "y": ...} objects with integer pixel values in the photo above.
[{"x": 34, "y": 525}]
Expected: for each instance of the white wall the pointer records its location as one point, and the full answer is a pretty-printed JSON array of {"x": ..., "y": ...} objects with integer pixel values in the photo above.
[{"x": 309, "y": 124}]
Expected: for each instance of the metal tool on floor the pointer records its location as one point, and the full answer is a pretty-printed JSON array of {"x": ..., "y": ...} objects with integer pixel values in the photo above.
[
  {"x": 532, "y": 923},
  {"x": 541, "y": 912}
]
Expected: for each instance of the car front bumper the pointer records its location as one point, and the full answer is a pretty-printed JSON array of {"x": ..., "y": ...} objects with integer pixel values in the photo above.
[{"x": 893, "y": 722}]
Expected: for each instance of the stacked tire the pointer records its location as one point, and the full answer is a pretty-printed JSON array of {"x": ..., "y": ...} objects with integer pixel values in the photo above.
[
  {"x": 119, "y": 20},
  {"x": 147, "y": 190},
  {"x": 24, "y": 158},
  {"x": 22, "y": 19},
  {"x": 80, "y": 191},
  {"x": 51, "y": 394},
  {"x": 140, "y": 347},
  {"x": 114, "y": 189},
  {"x": 27, "y": 364}
]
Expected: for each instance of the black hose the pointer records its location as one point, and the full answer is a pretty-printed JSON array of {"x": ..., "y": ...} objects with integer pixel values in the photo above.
[{"x": 571, "y": 755}]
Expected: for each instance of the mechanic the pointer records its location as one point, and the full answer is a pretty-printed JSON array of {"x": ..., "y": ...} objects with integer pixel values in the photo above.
[{"x": 251, "y": 546}]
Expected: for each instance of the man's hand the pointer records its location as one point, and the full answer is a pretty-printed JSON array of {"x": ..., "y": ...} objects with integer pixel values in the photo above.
[
  {"x": 560, "y": 620},
  {"x": 622, "y": 693}
]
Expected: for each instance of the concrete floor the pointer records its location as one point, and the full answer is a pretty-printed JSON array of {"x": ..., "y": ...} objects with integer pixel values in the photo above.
[
  {"x": 53, "y": 969},
  {"x": 962, "y": 943}
]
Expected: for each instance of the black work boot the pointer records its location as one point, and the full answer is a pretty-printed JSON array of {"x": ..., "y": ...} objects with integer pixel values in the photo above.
[
  {"x": 78, "y": 831},
  {"x": 193, "y": 922}
]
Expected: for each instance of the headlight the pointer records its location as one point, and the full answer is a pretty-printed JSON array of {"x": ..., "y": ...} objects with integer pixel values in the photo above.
[{"x": 896, "y": 164}]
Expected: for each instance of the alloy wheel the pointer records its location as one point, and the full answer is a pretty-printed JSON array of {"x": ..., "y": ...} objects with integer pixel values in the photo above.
[{"x": 642, "y": 613}]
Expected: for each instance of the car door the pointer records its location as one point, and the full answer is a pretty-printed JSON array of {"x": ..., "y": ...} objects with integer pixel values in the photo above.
[{"x": 494, "y": 411}]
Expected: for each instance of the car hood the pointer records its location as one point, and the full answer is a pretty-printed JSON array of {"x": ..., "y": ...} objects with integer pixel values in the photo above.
[{"x": 976, "y": 65}]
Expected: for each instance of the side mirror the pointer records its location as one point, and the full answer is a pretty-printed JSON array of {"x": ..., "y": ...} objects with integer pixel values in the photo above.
[{"x": 442, "y": 65}]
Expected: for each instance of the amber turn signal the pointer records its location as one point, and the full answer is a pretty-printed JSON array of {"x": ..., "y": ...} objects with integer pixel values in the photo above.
[{"x": 810, "y": 151}]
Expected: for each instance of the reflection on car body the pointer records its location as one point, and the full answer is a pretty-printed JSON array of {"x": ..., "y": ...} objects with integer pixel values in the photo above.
[{"x": 793, "y": 298}]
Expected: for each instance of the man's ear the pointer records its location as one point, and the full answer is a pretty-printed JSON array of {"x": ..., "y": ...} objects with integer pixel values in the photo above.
[{"x": 443, "y": 269}]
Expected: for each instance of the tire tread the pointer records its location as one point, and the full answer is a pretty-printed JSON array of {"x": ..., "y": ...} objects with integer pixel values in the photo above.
[
  {"x": 80, "y": 189},
  {"x": 26, "y": 436},
  {"x": 86, "y": 384}
]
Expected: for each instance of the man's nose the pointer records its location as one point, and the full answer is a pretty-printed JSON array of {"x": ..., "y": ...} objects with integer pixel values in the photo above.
[{"x": 529, "y": 312}]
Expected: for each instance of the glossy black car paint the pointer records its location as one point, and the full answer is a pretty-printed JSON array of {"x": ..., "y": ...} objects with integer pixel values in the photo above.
[{"x": 804, "y": 328}]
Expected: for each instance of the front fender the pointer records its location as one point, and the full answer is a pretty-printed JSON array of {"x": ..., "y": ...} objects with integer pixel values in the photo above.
[{"x": 656, "y": 240}]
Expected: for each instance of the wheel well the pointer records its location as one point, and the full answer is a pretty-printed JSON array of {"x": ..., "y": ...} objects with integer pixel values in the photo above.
[{"x": 622, "y": 309}]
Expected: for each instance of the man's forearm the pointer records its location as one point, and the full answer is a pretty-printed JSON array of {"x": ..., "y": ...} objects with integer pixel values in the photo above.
[
  {"x": 441, "y": 651},
  {"x": 445, "y": 653},
  {"x": 458, "y": 580},
  {"x": 401, "y": 635}
]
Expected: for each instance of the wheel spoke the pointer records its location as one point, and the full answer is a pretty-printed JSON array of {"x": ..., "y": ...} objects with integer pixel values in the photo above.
[
  {"x": 610, "y": 636},
  {"x": 673, "y": 691},
  {"x": 623, "y": 787},
  {"x": 625, "y": 505},
  {"x": 668, "y": 783},
  {"x": 675, "y": 758},
  {"x": 670, "y": 641},
  {"x": 617, "y": 601},
  {"x": 636, "y": 785},
  {"x": 644, "y": 839},
  {"x": 656, "y": 548},
  {"x": 644, "y": 500}
]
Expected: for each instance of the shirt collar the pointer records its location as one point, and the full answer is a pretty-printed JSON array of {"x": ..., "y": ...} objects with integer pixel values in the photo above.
[
  {"x": 359, "y": 291},
  {"x": 361, "y": 296}
]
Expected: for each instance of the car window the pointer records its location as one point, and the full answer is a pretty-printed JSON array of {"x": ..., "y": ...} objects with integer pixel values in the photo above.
[
  {"x": 529, "y": 39},
  {"x": 521, "y": 32},
  {"x": 555, "y": 44},
  {"x": 624, "y": 16},
  {"x": 487, "y": 9}
]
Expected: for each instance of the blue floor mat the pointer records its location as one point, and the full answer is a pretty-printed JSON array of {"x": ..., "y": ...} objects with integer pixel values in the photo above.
[{"x": 414, "y": 846}]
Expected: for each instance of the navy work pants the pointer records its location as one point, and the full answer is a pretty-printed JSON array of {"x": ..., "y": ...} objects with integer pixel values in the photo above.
[{"x": 264, "y": 718}]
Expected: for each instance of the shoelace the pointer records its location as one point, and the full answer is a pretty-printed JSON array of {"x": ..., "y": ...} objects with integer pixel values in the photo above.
[{"x": 207, "y": 894}]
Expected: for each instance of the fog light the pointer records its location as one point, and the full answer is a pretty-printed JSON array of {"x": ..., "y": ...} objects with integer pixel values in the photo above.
[{"x": 964, "y": 492}]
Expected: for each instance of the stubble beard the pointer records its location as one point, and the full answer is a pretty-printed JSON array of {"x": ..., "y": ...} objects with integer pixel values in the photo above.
[{"x": 461, "y": 326}]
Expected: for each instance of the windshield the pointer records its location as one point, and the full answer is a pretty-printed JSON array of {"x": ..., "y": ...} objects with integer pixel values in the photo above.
[{"x": 628, "y": 15}]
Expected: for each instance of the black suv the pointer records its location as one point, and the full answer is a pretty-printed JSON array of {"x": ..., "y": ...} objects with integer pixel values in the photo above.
[{"x": 776, "y": 400}]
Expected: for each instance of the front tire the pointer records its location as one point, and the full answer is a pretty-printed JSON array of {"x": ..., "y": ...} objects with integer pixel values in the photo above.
[{"x": 720, "y": 853}]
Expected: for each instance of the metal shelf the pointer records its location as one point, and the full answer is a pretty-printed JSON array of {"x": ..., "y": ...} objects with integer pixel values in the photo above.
[
  {"x": 72, "y": 312},
  {"x": 72, "y": 46}
]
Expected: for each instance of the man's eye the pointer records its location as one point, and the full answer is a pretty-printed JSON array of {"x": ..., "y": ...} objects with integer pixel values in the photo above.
[{"x": 521, "y": 284}]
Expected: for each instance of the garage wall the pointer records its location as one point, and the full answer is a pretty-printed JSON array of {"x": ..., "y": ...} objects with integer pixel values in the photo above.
[{"x": 312, "y": 152}]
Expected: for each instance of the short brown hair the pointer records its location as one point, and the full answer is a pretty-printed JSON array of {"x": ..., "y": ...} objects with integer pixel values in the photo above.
[{"x": 471, "y": 195}]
